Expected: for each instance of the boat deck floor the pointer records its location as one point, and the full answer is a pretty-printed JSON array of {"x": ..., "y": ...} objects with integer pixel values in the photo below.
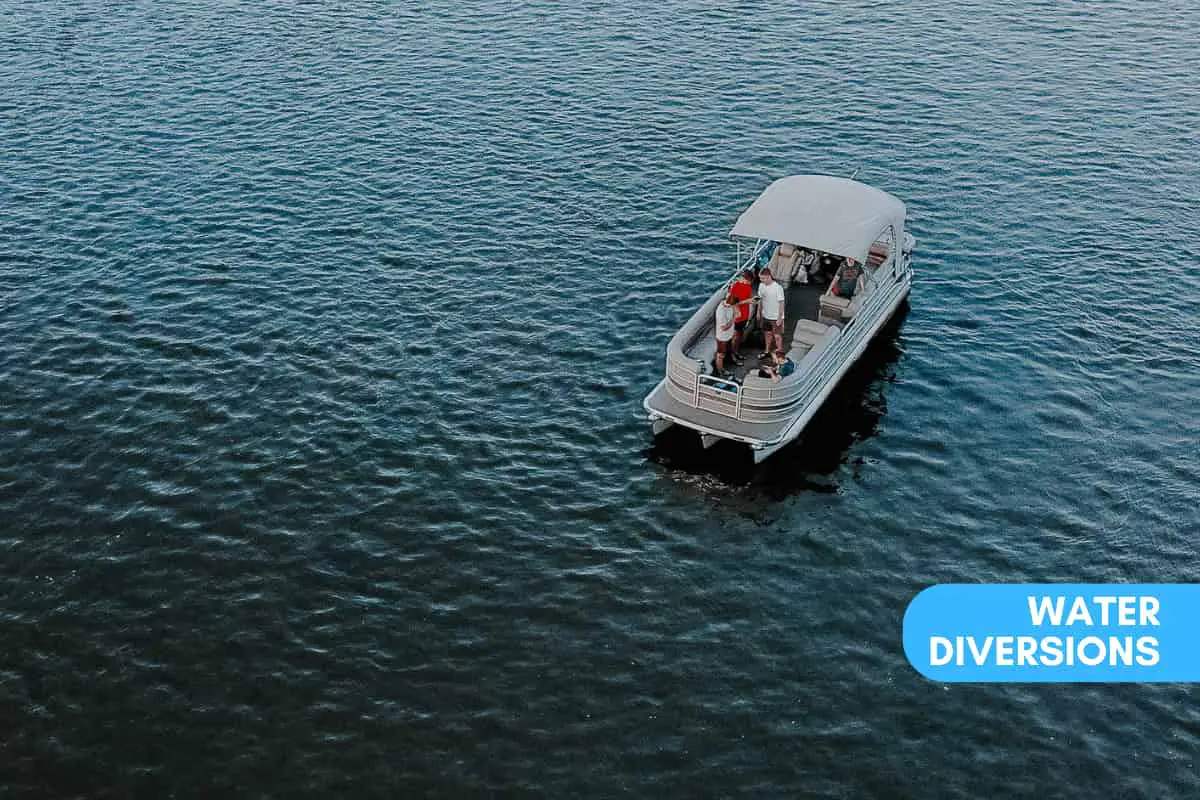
[{"x": 803, "y": 302}]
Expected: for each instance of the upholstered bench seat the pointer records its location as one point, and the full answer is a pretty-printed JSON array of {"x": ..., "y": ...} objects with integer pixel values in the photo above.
[
  {"x": 807, "y": 332},
  {"x": 832, "y": 308},
  {"x": 877, "y": 255}
]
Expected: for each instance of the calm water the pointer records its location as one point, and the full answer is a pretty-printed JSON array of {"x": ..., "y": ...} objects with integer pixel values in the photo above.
[{"x": 323, "y": 335}]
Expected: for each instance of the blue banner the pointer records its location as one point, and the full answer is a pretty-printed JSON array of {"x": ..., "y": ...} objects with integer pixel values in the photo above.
[{"x": 1055, "y": 632}]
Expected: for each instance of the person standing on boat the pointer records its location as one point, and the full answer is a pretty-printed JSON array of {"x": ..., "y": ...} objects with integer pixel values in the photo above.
[
  {"x": 726, "y": 312},
  {"x": 770, "y": 312},
  {"x": 743, "y": 291}
]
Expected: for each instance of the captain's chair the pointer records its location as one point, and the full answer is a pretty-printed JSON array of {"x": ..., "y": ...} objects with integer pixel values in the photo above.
[{"x": 784, "y": 263}]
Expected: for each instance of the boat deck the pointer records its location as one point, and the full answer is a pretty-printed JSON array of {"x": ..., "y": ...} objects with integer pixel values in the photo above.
[{"x": 803, "y": 302}]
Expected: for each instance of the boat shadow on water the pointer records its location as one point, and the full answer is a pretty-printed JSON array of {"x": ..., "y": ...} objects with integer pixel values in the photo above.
[{"x": 851, "y": 414}]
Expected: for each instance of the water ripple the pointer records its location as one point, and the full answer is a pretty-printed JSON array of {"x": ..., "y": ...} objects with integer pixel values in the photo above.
[{"x": 323, "y": 333}]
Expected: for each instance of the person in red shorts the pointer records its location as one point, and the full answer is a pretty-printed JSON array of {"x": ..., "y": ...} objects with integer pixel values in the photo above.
[
  {"x": 771, "y": 309},
  {"x": 742, "y": 291},
  {"x": 723, "y": 323}
]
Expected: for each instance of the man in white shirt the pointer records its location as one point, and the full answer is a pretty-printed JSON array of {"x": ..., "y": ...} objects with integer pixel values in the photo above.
[
  {"x": 770, "y": 312},
  {"x": 724, "y": 317}
]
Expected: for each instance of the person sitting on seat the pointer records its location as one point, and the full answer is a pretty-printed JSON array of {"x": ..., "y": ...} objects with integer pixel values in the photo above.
[
  {"x": 846, "y": 282},
  {"x": 780, "y": 367}
]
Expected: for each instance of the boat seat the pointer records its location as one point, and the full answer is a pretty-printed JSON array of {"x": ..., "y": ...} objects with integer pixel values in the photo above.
[
  {"x": 835, "y": 309},
  {"x": 752, "y": 381},
  {"x": 783, "y": 263},
  {"x": 802, "y": 354},
  {"x": 798, "y": 352},
  {"x": 706, "y": 352},
  {"x": 852, "y": 309},
  {"x": 815, "y": 351},
  {"x": 807, "y": 332},
  {"x": 832, "y": 308},
  {"x": 876, "y": 255}
]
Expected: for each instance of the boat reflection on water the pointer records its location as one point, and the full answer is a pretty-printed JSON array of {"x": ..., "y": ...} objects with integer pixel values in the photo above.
[{"x": 850, "y": 415}]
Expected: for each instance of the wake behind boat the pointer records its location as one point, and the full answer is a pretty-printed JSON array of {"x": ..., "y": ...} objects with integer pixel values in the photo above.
[{"x": 839, "y": 251}]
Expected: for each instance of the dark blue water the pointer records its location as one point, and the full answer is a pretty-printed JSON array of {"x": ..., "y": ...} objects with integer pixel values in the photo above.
[{"x": 323, "y": 334}]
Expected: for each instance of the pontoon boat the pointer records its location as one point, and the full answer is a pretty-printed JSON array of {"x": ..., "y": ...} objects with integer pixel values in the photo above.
[{"x": 804, "y": 228}]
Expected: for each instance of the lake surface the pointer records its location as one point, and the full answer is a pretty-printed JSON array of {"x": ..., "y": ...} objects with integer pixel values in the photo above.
[{"x": 324, "y": 329}]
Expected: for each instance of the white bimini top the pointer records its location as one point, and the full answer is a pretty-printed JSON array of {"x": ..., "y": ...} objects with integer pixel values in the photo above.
[{"x": 833, "y": 215}]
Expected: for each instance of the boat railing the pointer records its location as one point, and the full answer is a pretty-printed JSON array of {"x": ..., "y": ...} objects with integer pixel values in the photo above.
[
  {"x": 742, "y": 403},
  {"x": 759, "y": 256},
  {"x": 709, "y": 392}
]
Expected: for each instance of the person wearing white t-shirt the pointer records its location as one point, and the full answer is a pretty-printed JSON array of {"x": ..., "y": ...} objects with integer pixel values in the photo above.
[
  {"x": 770, "y": 312},
  {"x": 726, "y": 312}
]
